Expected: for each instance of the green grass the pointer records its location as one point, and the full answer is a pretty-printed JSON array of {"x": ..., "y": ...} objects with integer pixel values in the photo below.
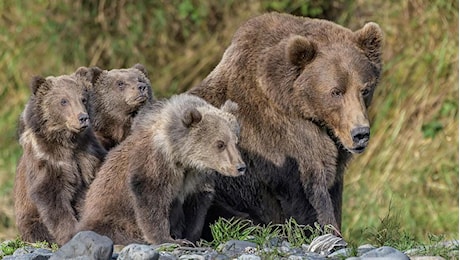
[
  {"x": 224, "y": 230},
  {"x": 237, "y": 229},
  {"x": 388, "y": 232},
  {"x": 411, "y": 162}
]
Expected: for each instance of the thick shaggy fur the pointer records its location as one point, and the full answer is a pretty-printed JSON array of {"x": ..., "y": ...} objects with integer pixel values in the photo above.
[
  {"x": 164, "y": 170},
  {"x": 303, "y": 86},
  {"x": 117, "y": 95},
  {"x": 60, "y": 157}
]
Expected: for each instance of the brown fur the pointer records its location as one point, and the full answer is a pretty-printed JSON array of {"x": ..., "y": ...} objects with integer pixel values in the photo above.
[
  {"x": 303, "y": 86},
  {"x": 170, "y": 156},
  {"x": 60, "y": 157},
  {"x": 117, "y": 96}
]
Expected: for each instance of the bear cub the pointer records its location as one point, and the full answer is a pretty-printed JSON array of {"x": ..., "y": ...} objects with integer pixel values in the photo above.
[
  {"x": 60, "y": 157},
  {"x": 169, "y": 159},
  {"x": 117, "y": 95}
]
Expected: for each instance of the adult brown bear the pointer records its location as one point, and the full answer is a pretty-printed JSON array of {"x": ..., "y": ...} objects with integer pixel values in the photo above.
[{"x": 303, "y": 87}]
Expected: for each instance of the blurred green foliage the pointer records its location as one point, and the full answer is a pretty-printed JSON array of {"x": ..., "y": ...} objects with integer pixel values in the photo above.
[{"x": 413, "y": 156}]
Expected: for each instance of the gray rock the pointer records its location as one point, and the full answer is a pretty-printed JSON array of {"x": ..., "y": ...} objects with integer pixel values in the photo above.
[
  {"x": 341, "y": 253},
  {"x": 313, "y": 256},
  {"x": 221, "y": 257},
  {"x": 249, "y": 257},
  {"x": 30, "y": 256},
  {"x": 85, "y": 245},
  {"x": 452, "y": 245},
  {"x": 138, "y": 252},
  {"x": 30, "y": 253},
  {"x": 29, "y": 250},
  {"x": 167, "y": 256},
  {"x": 284, "y": 249},
  {"x": 384, "y": 253},
  {"x": 192, "y": 257},
  {"x": 365, "y": 248},
  {"x": 309, "y": 256},
  {"x": 234, "y": 248},
  {"x": 426, "y": 258}
]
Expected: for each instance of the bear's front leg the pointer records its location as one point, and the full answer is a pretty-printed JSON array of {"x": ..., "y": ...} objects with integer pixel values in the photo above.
[
  {"x": 317, "y": 191},
  {"x": 152, "y": 204},
  {"x": 53, "y": 199},
  {"x": 196, "y": 206}
]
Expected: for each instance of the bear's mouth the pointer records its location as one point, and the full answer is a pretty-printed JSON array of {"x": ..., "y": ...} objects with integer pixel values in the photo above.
[
  {"x": 357, "y": 149},
  {"x": 78, "y": 128},
  {"x": 137, "y": 101},
  {"x": 141, "y": 98},
  {"x": 84, "y": 126}
]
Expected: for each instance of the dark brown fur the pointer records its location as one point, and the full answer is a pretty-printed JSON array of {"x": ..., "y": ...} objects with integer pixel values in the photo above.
[
  {"x": 60, "y": 157},
  {"x": 303, "y": 86},
  {"x": 117, "y": 96},
  {"x": 168, "y": 159}
]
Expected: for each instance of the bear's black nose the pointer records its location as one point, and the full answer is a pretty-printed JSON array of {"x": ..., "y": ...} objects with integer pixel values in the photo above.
[
  {"x": 241, "y": 168},
  {"x": 361, "y": 135},
  {"x": 83, "y": 118},
  {"x": 142, "y": 87}
]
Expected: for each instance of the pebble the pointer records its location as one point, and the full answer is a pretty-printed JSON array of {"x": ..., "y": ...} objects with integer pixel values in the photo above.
[
  {"x": 89, "y": 245},
  {"x": 138, "y": 252}
]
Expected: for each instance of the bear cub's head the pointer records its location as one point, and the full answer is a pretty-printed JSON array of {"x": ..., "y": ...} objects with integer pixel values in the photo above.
[
  {"x": 218, "y": 133},
  {"x": 206, "y": 137},
  {"x": 58, "y": 105},
  {"x": 120, "y": 92}
]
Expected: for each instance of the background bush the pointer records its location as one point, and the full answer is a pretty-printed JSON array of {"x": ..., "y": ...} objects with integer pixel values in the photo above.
[{"x": 411, "y": 164}]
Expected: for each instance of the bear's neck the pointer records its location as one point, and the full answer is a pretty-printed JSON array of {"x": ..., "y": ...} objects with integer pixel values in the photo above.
[{"x": 113, "y": 129}]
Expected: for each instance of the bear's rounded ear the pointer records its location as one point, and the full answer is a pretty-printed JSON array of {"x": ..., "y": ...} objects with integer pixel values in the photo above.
[
  {"x": 229, "y": 107},
  {"x": 191, "y": 117},
  {"x": 36, "y": 83},
  {"x": 300, "y": 50},
  {"x": 369, "y": 39},
  {"x": 141, "y": 68},
  {"x": 89, "y": 74}
]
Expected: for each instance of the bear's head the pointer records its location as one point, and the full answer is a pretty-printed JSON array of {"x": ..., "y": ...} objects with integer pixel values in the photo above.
[
  {"x": 58, "y": 106},
  {"x": 326, "y": 75},
  {"x": 121, "y": 91},
  {"x": 208, "y": 138}
]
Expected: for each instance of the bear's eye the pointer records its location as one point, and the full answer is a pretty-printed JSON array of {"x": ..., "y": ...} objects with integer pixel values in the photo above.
[
  {"x": 336, "y": 93},
  {"x": 220, "y": 145},
  {"x": 84, "y": 100},
  {"x": 365, "y": 92},
  {"x": 64, "y": 102}
]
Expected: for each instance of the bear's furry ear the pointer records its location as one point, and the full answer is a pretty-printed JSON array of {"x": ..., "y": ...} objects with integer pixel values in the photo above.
[
  {"x": 230, "y": 107},
  {"x": 141, "y": 68},
  {"x": 369, "y": 39},
  {"x": 191, "y": 117},
  {"x": 300, "y": 50},
  {"x": 36, "y": 83},
  {"x": 90, "y": 74}
]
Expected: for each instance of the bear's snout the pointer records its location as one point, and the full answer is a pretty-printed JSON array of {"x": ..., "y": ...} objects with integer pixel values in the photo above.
[
  {"x": 241, "y": 168},
  {"x": 83, "y": 118},
  {"x": 142, "y": 87},
  {"x": 360, "y": 136}
]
